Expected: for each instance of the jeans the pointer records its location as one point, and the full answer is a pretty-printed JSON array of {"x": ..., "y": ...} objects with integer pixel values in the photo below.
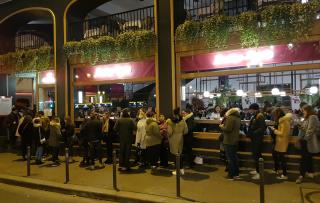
[
  {"x": 55, "y": 154},
  {"x": 39, "y": 153},
  {"x": 257, "y": 144},
  {"x": 232, "y": 157}
]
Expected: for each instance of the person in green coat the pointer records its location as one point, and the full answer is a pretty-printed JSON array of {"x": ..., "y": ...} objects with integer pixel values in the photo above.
[{"x": 231, "y": 129}]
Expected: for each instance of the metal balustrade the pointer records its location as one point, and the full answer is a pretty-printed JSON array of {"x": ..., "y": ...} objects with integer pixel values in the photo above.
[
  {"x": 29, "y": 40},
  {"x": 202, "y": 9},
  {"x": 113, "y": 25}
]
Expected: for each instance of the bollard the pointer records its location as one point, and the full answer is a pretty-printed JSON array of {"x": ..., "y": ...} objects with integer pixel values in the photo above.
[
  {"x": 178, "y": 159},
  {"x": 67, "y": 165},
  {"x": 261, "y": 171},
  {"x": 28, "y": 160},
  {"x": 114, "y": 173}
]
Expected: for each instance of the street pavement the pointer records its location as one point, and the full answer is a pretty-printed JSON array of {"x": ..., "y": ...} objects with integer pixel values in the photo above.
[
  {"x": 15, "y": 194},
  {"x": 203, "y": 183}
]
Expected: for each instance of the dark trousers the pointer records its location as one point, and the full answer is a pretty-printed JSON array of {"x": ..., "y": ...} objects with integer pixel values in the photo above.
[
  {"x": 95, "y": 151},
  {"x": 24, "y": 146},
  {"x": 108, "y": 140},
  {"x": 306, "y": 161},
  {"x": 164, "y": 153},
  {"x": 187, "y": 149},
  {"x": 232, "y": 157},
  {"x": 280, "y": 160},
  {"x": 257, "y": 144},
  {"x": 141, "y": 156},
  {"x": 69, "y": 145},
  {"x": 55, "y": 154},
  {"x": 153, "y": 154},
  {"x": 124, "y": 156},
  {"x": 85, "y": 152}
]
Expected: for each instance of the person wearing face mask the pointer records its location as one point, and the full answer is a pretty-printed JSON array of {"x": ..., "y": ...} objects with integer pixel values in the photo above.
[
  {"x": 140, "y": 138},
  {"x": 153, "y": 141}
]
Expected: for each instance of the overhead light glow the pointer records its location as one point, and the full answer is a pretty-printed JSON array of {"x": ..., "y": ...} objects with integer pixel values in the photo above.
[
  {"x": 48, "y": 78},
  {"x": 283, "y": 94},
  {"x": 275, "y": 91},
  {"x": 211, "y": 96},
  {"x": 80, "y": 97},
  {"x": 314, "y": 90},
  {"x": 240, "y": 93},
  {"x": 206, "y": 94},
  {"x": 258, "y": 94},
  {"x": 183, "y": 92}
]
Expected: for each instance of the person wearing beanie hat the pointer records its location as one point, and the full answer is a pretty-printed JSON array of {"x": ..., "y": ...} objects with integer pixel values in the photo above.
[{"x": 256, "y": 130}]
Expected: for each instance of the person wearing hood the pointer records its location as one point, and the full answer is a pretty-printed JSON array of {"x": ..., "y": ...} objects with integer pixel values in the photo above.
[
  {"x": 282, "y": 134},
  {"x": 231, "y": 129},
  {"x": 39, "y": 138},
  {"x": 54, "y": 139},
  {"x": 188, "y": 138},
  {"x": 140, "y": 138},
  {"x": 153, "y": 141},
  {"x": 177, "y": 129},
  {"x": 256, "y": 131}
]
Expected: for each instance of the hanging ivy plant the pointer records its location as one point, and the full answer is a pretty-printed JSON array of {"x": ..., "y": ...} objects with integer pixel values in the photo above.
[
  {"x": 248, "y": 25},
  {"x": 32, "y": 60},
  {"x": 72, "y": 48},
  {"x": 216, "y": 31},
  {"x": 145, "y": 42},
  {"x": 88, "y": 49},
  {"x": 189, "y": 31},
  {"x": 105, "y": 48}
]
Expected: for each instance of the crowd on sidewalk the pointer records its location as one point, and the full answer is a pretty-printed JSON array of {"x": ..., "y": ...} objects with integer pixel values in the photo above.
[{"x": 155, "y": 140}]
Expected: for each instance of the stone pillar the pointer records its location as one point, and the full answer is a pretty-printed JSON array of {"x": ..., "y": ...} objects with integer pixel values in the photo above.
[{"x": 169, "y": 13}]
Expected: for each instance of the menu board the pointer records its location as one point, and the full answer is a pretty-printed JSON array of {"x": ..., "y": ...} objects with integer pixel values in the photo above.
[{"x": 5, "y": 106}]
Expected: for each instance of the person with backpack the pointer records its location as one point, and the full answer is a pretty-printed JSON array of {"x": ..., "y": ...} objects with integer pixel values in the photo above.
[{"x": 309, "y": 142}]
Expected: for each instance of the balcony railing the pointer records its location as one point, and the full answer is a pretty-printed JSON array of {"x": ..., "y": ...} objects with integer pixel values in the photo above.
[
  {"x": 29, "y": 40},
  {"x": 202, "y": 9},
  {"x": 113, "y": 25}
]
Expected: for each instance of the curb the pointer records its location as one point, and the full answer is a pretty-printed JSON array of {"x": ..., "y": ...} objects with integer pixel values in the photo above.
[{"x": 86, "y": 191}]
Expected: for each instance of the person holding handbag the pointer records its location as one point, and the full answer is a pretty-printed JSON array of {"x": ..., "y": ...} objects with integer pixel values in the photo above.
[{"x": 309, "y": 142}]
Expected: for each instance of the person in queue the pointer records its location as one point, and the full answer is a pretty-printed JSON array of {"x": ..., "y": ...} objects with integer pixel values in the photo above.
[
  {"x": 309, "y": 138},
  {"x": 177, "y": 129},
  {"x": 26, "y": 132},
  {"x": 107, "y": 134},
  {"x": 125, "y": 127},
  {"x": 83, "y": 142},
  {"x": 164, "y": 151},
  {"x": 140, "y": 138},
  {"x": 188, "y": 138},
  {"x": 256, "y": 130},
  {"x": 94, "y": 130},
  {"x": 39, "y": 139},
  {"x": 153, "y": 141},
  {"x": 54, "y": 140},
  {"x": 68, "y": 133},
  {"x": 282, "y": 133},
  {"x": 231, "y": 129}
]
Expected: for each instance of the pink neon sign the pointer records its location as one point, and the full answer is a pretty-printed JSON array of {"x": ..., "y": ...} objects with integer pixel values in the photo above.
[{"x": 276, "y": 54}]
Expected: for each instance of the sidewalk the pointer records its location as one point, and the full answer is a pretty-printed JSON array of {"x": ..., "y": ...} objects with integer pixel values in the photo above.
[{"x": 202, "y": 184}]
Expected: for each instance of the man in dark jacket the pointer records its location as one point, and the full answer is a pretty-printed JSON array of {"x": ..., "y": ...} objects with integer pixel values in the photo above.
[
  {"x": 108, "y": 133},
  {"x": 125, "y": 127},
  {"x": 94, "y": 130},
  {"x": 231, "y": 129},
  {"x": 256, "y": 133}
]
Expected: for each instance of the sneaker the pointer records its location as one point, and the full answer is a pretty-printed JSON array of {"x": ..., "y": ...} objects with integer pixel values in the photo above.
[
  {"x": 237, "y": 178},
  {"x": 253, "y": 172},
  {"x": 181, "y": 172},
  {"x": 153, "y": 170},
  {"x": 299, "y": 180},
  {"x": 310, "y": 175},
  {"x": 92, "y": 167},
  {"x": 282, "y": 177},
  {"x": 230, "y": 178},
  {"x": 256, "y": 177}
]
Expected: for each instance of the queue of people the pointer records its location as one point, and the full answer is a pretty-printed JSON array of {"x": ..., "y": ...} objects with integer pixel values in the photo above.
[
  {"x": 308, "y": 141},
  {"x": 155, "y": 139}
]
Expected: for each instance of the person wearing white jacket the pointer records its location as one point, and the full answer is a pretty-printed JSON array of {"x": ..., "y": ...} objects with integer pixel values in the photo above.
[{"x": 140, "y": 138}]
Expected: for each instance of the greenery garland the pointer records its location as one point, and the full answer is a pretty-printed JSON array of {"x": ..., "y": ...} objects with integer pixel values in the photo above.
[
  {"x": 290, "y": 22},
  {"x": 33, "y": 60},
  {"x": 216, "y": 31},
  {"x": 106, "y": 48}
]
